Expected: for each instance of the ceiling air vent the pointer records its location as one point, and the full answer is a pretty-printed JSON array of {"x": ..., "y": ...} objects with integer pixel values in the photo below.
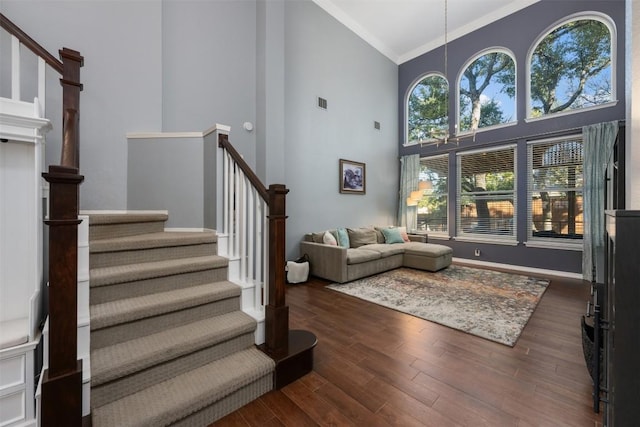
[
  {"x": 376, "y": 125},
  {"x": 322, "y": 103}
]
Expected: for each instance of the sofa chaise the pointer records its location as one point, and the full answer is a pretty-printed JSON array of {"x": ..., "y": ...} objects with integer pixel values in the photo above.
[{"x": 366, "y": 251}]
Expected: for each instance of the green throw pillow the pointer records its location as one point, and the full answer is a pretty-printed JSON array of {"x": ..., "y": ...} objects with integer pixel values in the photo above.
[
  {"x": 343, "y": 237},
  {"x": 392, "y": 235}
]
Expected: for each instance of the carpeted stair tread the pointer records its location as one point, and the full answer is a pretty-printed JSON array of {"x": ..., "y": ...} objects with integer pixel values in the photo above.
[
  {"x": 116, "y": 361},
  {"x": 130, "y": 309},
  {"x": 153, "y": 240},
  {"x": 126, "y": 217},
  {"x": 174, "y": 399},
  {"x": 128, "y": 273}
]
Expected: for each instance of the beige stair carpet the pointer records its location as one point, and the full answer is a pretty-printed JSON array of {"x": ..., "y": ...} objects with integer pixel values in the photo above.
[{"x": 169, "y": 343}]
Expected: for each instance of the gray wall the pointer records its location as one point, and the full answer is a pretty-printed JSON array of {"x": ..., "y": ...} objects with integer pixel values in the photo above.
[
  {"x": 323, "y": 58},
  {"x": 150, "y": 65},
  {"x": 516, "y": 32},
  {"x": 121, "y": 45},
  {"x": 162, "y": 167},
  {"x": 209, "y": 68},
  {"x": 185, "y": 65}
]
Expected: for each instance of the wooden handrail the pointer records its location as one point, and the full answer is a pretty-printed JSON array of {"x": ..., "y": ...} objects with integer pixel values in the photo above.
[
  {"x": 14, "y": 30},
  {"x": 223, "y": 142}
]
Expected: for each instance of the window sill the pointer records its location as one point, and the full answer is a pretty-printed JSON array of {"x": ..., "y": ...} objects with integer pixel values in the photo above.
[
  {"x": 570, "y": 112},
  {"x": 554, "y": 245},
  {"x": 486, "y": 240},
  {"x": 439, "y": 236}
]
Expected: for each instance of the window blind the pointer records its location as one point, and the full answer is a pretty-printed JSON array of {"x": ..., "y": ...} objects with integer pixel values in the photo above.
[
  {"x": 433, "y": 208},
  {"x": 486, "y": 197},
  {"x": 555, "y": 188}
]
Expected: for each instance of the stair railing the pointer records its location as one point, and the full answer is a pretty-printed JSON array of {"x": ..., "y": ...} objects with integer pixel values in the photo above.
[
  {"x": 62, "y": 381},
  {"x": 253, "y": 217}
]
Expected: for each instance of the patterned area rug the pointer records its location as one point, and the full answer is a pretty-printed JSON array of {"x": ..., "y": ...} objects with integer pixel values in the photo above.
[{"x": 489, "y": 304}]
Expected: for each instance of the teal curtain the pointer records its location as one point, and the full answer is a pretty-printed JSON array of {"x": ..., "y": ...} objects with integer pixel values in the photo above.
[
  {"x": 409, "y": 173},
  {"x": 598, "y": 143}
]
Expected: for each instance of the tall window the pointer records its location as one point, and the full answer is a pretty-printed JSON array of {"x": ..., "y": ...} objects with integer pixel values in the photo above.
[
  {"x": 555, "y": 189},
  {"x": 571, "y": 68},
  {"x": 486, "y": 194},
  {"x": 487, "y": 92},
  {"x": 433, "y": 207},
  {"x": 428, "y": 109}
]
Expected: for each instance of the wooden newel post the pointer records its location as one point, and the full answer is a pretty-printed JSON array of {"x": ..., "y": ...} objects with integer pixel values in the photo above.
[
  {"x": 72, "y": 61},
  {"x": 62, "y": 380},
  {"x": 277, "y": 313}
]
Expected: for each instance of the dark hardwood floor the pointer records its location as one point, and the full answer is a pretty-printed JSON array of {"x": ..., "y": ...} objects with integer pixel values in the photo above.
[{"x": 375, "y": 366}]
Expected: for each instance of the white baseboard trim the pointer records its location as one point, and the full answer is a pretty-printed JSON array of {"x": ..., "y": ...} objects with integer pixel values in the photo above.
[{"x": 519, "y": 268}]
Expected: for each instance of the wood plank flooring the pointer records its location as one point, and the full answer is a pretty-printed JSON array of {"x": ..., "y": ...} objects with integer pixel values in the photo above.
[{"x": 378, "y": 367}]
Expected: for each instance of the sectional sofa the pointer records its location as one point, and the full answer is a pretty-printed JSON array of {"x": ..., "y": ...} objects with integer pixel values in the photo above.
[{"x": 346, "y": 254}]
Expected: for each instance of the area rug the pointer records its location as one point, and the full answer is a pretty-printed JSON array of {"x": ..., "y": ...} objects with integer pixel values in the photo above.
[{"x": 486, "y": 303}]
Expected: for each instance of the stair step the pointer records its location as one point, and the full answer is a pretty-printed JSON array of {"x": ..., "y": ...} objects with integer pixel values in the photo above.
[
  {"x": 152, "y": 247},
  {"x": 172, "y": 400},
  {"x": 116, "y": 361},
  {"x": 108, "y": 225},
  {"x": 130, "y": 318},
  {"x": 133, "y": 280},
  {"x": 148, "y": 360},
  {"x": 128, "y": 273}
]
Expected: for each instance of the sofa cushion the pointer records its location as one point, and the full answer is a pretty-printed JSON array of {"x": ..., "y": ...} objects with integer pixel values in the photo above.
[
  {"x": 357, "y": 256},
  {"x": 392, "y": 235},
  {"x": 386, "y": 250},
  {"x": 427, "y": 249},
  {"x": 317, "y": 237},
  {"x": 361, "y": 236},
  {"x": 379, "y": 235}
]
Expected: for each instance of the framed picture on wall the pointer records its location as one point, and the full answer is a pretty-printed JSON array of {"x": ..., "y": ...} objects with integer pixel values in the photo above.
[{"x": 352, "y": 177}]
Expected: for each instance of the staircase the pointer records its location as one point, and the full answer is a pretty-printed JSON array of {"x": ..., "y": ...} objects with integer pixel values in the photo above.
[{"x": 169, "y": 343}]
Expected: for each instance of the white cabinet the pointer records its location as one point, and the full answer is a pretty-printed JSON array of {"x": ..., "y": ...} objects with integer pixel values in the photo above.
[{"x": 21, "y": 272}]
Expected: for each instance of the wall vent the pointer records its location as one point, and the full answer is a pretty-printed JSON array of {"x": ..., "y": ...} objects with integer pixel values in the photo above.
[
  {"x": 376, "y": 125},
  {"x": 322, "y": 103}
]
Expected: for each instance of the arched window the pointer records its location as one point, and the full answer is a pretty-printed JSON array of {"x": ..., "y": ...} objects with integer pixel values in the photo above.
[
  {"x": 487, "y": 91},
  {"x": 571, "y": 67},
  {"x": 428, "y": 109}
]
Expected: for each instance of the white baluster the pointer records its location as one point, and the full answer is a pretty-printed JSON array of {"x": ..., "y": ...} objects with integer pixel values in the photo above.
[
  {"x": 15, "y": 68},
  {"x": 42, "y": 90},
  {"x": 265, "y": 245},
  {"x": 242, "y": 215},
  {"x": 250, "y": 234},
  {"x": 259, "y": 265}
]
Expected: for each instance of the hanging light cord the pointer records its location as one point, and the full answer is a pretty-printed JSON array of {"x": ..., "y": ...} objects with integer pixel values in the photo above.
[{"x": 446, "y": 31}]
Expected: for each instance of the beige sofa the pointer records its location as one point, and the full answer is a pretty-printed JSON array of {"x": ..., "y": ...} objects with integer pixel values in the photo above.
[{"x": 369, "y": 254}]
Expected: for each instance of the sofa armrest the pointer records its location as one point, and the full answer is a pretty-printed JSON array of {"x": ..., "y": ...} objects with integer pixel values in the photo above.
[{"x": 326, "y": 261}]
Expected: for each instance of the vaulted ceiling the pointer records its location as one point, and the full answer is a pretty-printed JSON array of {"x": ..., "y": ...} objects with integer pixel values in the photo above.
[{"x": 405, "y": 29}]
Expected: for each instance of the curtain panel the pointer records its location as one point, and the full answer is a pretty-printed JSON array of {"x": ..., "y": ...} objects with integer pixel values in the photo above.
[
  {"x": 409, "y": 174},
  {"x": 598, "y": 143}
]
